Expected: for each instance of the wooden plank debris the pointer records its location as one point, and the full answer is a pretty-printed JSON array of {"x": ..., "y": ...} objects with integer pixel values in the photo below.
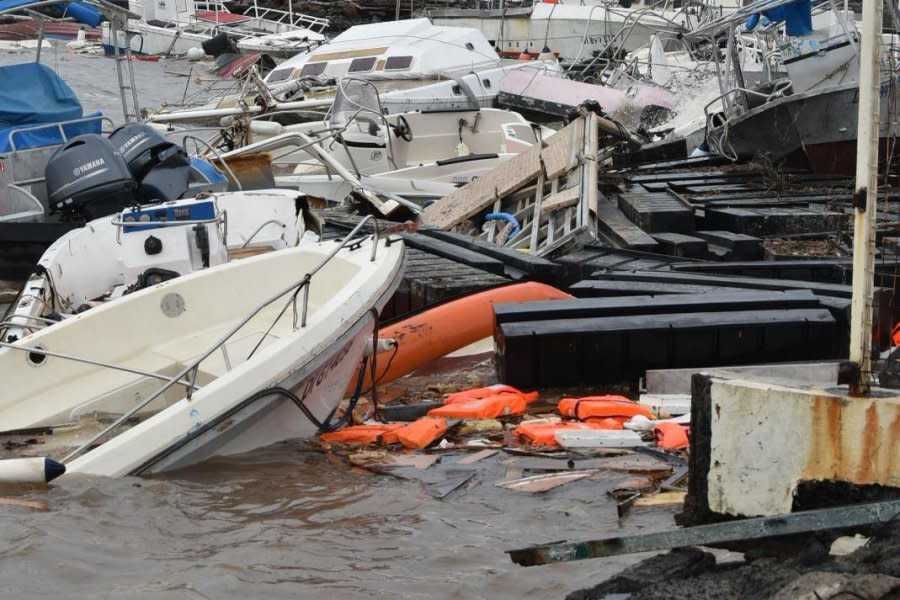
[
  {"x": 556, "y": 158},
  {"x": 476, "y": 457},
  {"x": 542, "y": 483}
]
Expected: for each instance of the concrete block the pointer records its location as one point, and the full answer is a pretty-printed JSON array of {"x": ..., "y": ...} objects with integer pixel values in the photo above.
[{"x": 759, "y": 441}]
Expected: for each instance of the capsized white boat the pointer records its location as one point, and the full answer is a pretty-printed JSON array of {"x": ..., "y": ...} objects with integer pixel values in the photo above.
[
  {"x": 412, "y": 49},
  {"x": 248, "y": 353}
]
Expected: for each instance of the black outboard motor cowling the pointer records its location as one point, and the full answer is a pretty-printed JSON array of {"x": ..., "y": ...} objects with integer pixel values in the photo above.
[
  {"x": 140, "y": 146},
  {"x": 161, "y": 167},
  {"x": 88, "y": 179}
]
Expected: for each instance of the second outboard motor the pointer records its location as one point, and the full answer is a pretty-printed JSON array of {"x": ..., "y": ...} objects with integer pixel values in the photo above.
[
  {"x": 88, "y": 179},
  {"x": 161, "y": 167},
  {"x": 219, "y": 45}
]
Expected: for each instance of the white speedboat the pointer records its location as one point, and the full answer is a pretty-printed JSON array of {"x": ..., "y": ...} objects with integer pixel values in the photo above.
[
  {"x": 418, "y": 156},
  {"x": 221, "y": 361},
  {"x": 139, "y": 247},
  {"x": 173, "y": 28}
]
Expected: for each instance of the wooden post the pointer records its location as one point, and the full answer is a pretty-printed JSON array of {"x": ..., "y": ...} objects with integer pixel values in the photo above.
[{"x": 865, "y": 197}]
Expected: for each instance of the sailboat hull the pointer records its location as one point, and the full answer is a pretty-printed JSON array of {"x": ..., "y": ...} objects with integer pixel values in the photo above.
[{"x": 815, "y": 129}]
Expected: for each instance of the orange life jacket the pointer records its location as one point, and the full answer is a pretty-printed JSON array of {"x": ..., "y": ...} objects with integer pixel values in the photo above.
[
  {"x": 671, "y": 436},
  {"x": 360, "y": 434},
  {"x": 615, "y": 423},
  {"x": 422, "y": 432},
  {"x": 485, "y": 392},
  {"x": 598, "y": 407},
  {"x": 500, "y": 405},
  {"x": 895, "y": 335}
]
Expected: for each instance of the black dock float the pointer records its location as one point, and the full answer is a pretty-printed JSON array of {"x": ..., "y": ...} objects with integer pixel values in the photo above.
[
  {"x": 657, "y": 213},
  {"x": 605, "y": 288},
  {"x": 679, "y": 244},
  {"x": 533, "y": 266},
  {"x": 757, "y": 283},
  {"x": 587, "y": 308},
  {"x": 429, "y": 280},
  {"x": 769, "y": 222},
  {"x": 594, "y": 257},
  {"x": 740, "y": 246},
  {"x": 615, "y": 226},
  {"x": 619, "y": 350},
  {"x": 454, "y": 252}
]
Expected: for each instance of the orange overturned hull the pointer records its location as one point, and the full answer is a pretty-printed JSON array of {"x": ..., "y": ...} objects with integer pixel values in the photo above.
[{"x": 449, "y": 327}]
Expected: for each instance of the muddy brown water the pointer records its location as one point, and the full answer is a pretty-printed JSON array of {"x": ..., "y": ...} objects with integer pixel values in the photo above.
[{"x": 284, "y": 522}]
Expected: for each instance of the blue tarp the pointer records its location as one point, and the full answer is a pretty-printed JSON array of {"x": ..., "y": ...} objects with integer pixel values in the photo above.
[
  {"x": 33, "y": 94},
  {"x": 25, "y": 137},
  {"x": 797, "y": 17}
]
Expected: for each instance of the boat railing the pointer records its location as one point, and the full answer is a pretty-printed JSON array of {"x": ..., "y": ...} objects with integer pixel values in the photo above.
[
  {"x": 260, "y": 228},
  {"x": 221, "y": 218},
  {"x": 616, "y": 42},
  {"x": 718, "y": 144},
  {"x": 210, "y": 148},
  {"x": 187, "y": 376},
  {"x": 36, "y": 210},
  {"x": 288, "y": 18},
  {"x": 60, "y": 127},
  {"x": 291, "y": 18}
]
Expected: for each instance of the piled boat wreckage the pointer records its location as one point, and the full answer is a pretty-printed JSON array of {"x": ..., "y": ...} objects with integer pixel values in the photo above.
[{"x": 623, "y": 260}]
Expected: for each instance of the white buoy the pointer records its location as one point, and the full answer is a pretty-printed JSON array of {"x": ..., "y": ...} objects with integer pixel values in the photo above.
[
  {"x": 30, "y": 470},
  {"x": 266, "y": 127},
  {"x": 195, "y": 54}
]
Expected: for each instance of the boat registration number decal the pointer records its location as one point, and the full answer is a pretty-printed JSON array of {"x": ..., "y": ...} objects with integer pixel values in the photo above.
[{"x": 315, "y": 379}]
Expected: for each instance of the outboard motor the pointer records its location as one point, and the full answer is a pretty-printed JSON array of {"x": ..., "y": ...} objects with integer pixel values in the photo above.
[
  {"x": 161, "y": 167},
  {"x": 87, "y": 179}
]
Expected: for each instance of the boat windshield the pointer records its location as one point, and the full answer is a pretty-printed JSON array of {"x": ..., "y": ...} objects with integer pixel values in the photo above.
[{"x": 354, "y": 98}]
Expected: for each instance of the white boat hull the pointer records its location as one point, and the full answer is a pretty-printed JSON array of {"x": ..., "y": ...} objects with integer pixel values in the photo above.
[
  {"x": 249, "y": 386},
  {"x": 263, "y": 418}
]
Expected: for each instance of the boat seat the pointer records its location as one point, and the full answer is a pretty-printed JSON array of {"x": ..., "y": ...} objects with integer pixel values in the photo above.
[
  {"x": 122, "y": 396},
  {"x": 186, "y": 351},
  {"x": 239, "y": 253}
]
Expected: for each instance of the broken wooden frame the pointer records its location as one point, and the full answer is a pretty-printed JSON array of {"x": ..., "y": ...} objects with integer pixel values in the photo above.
[{"x": 551, "y": 190}]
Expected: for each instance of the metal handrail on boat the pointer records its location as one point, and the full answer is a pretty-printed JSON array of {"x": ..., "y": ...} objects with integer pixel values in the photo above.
[
  {"x": 260, "y": 228},
  {"x": 220, "y": 218},
  {"x": 215, "y": 152},
  {"x": 44, "y": 352},
  {"x": 778, "y": 92},
  {"x": 620, "y": 37},
  {"x": 59, "y": 125},
  {"x": 192, "y": 369}
]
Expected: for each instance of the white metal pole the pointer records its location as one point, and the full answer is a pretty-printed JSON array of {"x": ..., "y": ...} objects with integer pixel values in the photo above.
[
  {"x": 866, "y": 194},
  {"x": 397, "y": 15}
]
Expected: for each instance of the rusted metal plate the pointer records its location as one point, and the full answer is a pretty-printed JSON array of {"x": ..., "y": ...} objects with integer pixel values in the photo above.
[
  {"x": 559, "y": 156},
  {"x": 765, "y": 439}
]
